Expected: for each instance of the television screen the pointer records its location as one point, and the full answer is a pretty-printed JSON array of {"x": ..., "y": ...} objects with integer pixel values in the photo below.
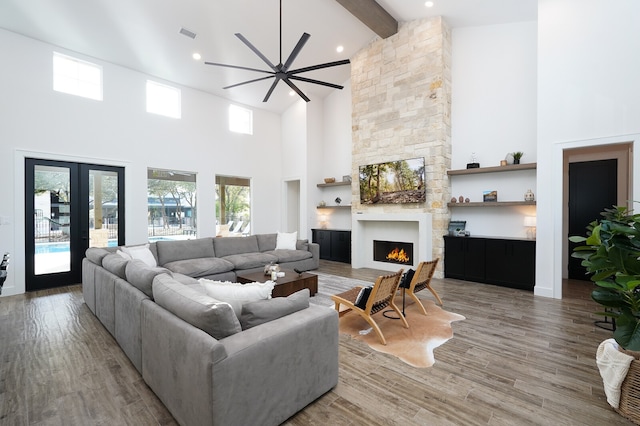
[{"x": 393, "y": 182}]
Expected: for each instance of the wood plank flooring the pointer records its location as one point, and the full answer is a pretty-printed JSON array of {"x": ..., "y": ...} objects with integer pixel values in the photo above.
[{"x": 516, "y": 360}]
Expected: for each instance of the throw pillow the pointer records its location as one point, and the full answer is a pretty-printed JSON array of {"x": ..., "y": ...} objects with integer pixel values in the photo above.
[
  {"x": 286, "y": 240},
  {"x": 405, "y": 281},
  {"x": 141, "y": 252},
  {"x": 212, "y": 316},
  {"x": 236, "y": 294},
  {"x": 124, "y": 255},
  {"x": 262, "y": 311},
  {"x": 363, "y": 296}
]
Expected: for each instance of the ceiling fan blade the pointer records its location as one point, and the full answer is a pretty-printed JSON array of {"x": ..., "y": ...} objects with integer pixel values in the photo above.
[
  {"x": 247, "y": 82},
  {"x": 318, "y": 67},
  {"x": 323, "y": 83},
  {"x": 256, "y": 51},
  {"x": 270, "y": 91},
  {"x": 295, "y": 51},
  {"x": 238, "y": 67},
  {"x": 295, "y": 88}
]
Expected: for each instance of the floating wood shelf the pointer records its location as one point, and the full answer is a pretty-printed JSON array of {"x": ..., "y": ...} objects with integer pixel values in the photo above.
[
  {"x": 334, "y": 207},
  {"x": 493, "y": 203},
  {"x": 341, "y": 183},
  {"x": 509, "y": 168}
]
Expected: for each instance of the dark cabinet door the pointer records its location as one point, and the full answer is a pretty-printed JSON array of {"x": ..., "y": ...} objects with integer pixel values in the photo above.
[
  {"x": 464, "y": 258},
  {"x": 341, "y": 246},
  {"x": 454, "y": 257},
  {"x": 323, "y": 238},
  {"x": 511, "y": 263}
]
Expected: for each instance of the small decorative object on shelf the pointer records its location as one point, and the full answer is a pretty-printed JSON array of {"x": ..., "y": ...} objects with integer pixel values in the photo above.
[
  {"x": 529, "y": 196},
  {"x": 346, "y": 178},
  {"x": 461, "y": 199},
  {"x": 503, "y": 162},
  {"x": 517, "y": 156},
  {"x": 473, "y": 164},
  {"x": 338, "y": 200},
  {"x": 329, "y": 180},
  {"x": 467, "y": 200},
  {"x": 490, "y": 196},
  {"x": 322, "y": 204},
  {"x": 453, "y": 200}
]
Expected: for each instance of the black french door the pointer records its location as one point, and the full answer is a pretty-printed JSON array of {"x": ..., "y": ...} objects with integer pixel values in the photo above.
[{"x": 68, "y": 208}]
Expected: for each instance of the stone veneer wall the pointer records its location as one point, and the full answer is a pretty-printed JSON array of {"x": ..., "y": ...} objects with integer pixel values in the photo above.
[{"x": 401, "y": 103}]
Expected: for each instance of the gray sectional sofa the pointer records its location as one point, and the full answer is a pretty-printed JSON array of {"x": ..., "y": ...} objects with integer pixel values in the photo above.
[{"x": 208, "y": 366}]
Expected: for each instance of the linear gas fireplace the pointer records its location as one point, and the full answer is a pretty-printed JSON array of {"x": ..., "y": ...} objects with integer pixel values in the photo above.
[{"x": 393, "y": 252}]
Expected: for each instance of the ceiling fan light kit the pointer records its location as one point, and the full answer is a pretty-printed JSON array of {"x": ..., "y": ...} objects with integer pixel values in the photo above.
[{"x": 282, "y": 71}]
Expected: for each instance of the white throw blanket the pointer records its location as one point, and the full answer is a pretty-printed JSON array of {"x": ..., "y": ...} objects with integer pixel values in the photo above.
[{"x": 613, "y": 366}]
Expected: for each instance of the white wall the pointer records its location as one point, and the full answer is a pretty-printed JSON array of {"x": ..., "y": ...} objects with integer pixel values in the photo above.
[
  {"x": 38, "y": 122},
  {"x": 493, "y": 113},
  {"x": 294, "y": 156},
  {"x": 588, "y": 91}
]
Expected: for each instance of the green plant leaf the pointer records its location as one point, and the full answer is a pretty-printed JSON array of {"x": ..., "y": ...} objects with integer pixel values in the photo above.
[{"x": 627, "y": 332}]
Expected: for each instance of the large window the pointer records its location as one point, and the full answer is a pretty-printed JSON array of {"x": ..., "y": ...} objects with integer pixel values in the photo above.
[
  {"x": 163, "y": 100},
  {"x": 76, "y": 77},
  {"x": 240, "y": 120},
  {"x": 171, "y": 204},
  {"x": 233, "y": 206}
]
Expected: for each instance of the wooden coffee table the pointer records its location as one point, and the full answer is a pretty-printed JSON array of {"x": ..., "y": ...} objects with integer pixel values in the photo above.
[{"x": 289, "y": 284}]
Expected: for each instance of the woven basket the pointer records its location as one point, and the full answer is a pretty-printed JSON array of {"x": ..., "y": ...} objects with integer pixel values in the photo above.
[{"x": 630, "y": 391}]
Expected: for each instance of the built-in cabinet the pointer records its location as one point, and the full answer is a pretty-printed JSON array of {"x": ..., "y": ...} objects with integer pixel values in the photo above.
[
  {"x": 334, "y": 244},
  {"x": 501, "y": 261}
]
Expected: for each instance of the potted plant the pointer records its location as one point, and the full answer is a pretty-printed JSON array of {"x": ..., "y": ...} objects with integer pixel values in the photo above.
[
  {"x": 517, "y": 156},
  {"x": 611, "y": 252}
]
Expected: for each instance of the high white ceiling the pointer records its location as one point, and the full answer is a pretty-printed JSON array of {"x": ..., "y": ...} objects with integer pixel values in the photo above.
[{"x": 144, "y": 35}]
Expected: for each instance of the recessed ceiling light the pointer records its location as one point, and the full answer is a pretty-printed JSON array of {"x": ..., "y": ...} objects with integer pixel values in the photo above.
[
  {"x": 429, "y": 4},
  {"x": 197, "y": 56},
  {"x": 339, "y": 49},
  {"x": 291, "y": 93}
]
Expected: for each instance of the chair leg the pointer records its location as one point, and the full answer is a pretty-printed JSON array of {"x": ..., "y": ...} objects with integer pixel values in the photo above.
[
  {"x": 418, "y": 302},
  {"x": 395, "y": 308},
  {"x": 373, "y": 325},
  {"x": 435, "y": 295}
]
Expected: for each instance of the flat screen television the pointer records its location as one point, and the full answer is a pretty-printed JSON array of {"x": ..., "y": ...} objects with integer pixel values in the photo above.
[{"x": 393, "y": 182}]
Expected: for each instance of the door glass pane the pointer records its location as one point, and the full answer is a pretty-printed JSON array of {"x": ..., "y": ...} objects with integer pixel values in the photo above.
[
  {"x": 52, "y": 216},
  {"x": 103, "y": 208}
]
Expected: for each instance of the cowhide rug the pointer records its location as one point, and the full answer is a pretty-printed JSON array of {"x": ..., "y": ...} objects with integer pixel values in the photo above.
[{"x": 413, "y": 345}]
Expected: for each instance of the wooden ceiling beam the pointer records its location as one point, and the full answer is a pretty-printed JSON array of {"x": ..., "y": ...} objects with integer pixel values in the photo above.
[{"x": 372, "y": 15}]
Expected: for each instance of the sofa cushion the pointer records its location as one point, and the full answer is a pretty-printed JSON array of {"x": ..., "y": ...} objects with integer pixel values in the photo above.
[
  {"x": 236, "y": 294},
  {"x": 141, "y": 252},
  {"x": 302, "y": 245},
  {"x": 250, "y": 260},
  {"x": 96, "y": 254},
  {"x": 212, "y": 316},
  {"x": 140, "y": 275},
  {"x": 286, "y": 240},
  {"x": 266, "y": 242},
  {"x": 115, "y": 264},
  {"x": 200, "y": 267},
  {"x": 171, "y": 251},
  {"x": 261, "y": 311},
  {"x": 283, "y": 256},
  {"x": 227, "y": 246}
]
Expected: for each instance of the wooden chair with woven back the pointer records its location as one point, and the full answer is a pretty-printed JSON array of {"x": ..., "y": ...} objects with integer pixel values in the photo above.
[
  {"x": 367, "y": 301},
  {"x": 421, "y": 280}
]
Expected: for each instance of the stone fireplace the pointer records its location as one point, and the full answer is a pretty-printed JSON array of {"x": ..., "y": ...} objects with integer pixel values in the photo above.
[{"x": 401, "y": 108}]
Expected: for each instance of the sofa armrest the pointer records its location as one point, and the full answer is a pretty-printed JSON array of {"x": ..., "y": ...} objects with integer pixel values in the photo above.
[{"x": 314, "y": 248}]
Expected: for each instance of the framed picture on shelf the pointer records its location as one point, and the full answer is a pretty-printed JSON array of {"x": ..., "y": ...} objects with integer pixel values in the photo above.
[{"x": 490, "y": 196}]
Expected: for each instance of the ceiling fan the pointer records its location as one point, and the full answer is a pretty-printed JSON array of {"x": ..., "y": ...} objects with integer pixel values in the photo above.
[{"x": 282, "y": 71}]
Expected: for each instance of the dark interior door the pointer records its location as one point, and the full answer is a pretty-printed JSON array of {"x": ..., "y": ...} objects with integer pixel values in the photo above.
[
  {"x": 593, "y": 186},
  {"x": 68, "y": 207}
]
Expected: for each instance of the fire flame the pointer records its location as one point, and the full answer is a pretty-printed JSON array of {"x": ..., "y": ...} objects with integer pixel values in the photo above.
[{"x": 398, "y": 255}]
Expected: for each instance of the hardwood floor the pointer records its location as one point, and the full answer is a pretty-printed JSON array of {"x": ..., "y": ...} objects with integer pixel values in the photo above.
[{"x": 516, "y": 359}]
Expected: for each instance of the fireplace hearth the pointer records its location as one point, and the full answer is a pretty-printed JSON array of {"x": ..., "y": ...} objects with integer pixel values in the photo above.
[{"x": 393, "y": 252}]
